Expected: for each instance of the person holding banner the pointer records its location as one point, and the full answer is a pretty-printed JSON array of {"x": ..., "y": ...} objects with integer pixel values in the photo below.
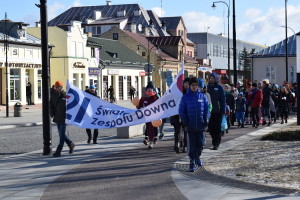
[
  {"x": 58, "y": 113},
  {"x": 193, "y": 111},
  {"x": 92, "y": 91},
  {"x": 151, "y": 131}
]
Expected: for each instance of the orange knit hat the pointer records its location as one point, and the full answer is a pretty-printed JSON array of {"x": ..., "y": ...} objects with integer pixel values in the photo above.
[{"x": 58, "y": 84}]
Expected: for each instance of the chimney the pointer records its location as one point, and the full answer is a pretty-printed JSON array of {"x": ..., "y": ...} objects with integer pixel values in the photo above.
[
  {"x": 37, "y": 24},
  {"x": 108, "y": 3}
]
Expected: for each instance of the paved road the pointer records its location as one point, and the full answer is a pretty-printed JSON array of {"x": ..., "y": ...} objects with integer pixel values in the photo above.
[
  {"x": 133, "y": 174},
  {"x": 27, "y": 139}
]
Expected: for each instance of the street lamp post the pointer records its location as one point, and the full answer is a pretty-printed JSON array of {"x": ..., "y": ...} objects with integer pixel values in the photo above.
[
  {"x": 234, "y": 44},
  {"x": 47, "y": 135},
  {"x": 6, "y": 30},
  {"x": 286, "y": 45},
  {"x": 228, "y": 47}
]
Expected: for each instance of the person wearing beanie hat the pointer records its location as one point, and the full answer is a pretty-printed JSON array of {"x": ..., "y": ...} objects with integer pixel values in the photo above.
[
  {"x": 217, "y": 96},
  {"x": 151, "y": 132},
  {"x": 193, "y": 111},
  {"x": 240, "y": 104},
  {"x": 58, "y": 113},
  {"x": 93, "y": 92}
]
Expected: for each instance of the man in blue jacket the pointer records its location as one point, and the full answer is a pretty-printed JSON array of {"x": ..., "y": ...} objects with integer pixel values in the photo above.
[
  {"x": 193, "y": 111},
  {"x": 217, "y": 96}
]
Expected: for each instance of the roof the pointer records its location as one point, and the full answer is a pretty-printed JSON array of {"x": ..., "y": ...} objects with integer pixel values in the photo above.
[
  {"x": 143, "y": 40},
  {"x": 115, "y": 53},
  {"x": 109, "y": 15},
  {"x": 165, "y": 40},
  {"x": 171, "y": 22},
  {"x": 29, "y": 40},
  {"x": 278, "y": 50}
]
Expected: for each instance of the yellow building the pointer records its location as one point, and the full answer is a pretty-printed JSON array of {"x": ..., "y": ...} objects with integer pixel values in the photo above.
[{"x": 70, "y": 57}]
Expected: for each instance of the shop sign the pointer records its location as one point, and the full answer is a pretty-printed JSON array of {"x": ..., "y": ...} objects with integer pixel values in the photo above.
[
  {"x": 94, "y": 71},
  {"x": 21, "y": 65},
  {"x": 204, "y": 69},
  {"x": 78, "y": 65},
  {"x": 113, "y": 71}
]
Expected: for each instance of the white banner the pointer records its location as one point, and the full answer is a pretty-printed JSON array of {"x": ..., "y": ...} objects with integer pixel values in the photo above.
[{"x": 87, "y": 111}]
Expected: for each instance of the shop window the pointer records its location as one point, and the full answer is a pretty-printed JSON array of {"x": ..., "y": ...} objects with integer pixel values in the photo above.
[
  {"x": 15, "y": 84},
  {"x": 39, "y": 84}
]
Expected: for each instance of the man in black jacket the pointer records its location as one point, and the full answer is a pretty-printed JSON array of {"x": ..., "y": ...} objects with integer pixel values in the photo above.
[
  {"x": 58, "y": 113},
  {"x": 266, "y": 102},
  {"x": 92, "y": 91}
]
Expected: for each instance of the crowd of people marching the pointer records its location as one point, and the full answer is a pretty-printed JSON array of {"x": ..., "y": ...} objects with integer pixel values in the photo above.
[{"x": 212, "y": 108}]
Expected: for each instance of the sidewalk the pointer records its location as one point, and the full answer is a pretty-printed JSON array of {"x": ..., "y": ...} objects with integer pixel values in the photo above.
[{"x": 27, "y": 176}]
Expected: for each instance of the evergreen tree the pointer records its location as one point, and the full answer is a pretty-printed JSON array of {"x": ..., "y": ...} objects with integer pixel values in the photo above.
[{"x": 246, "y": 63}]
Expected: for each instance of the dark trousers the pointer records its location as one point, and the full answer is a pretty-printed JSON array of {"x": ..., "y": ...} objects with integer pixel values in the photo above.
[
  {"x": 177, "y": 129},
  {"x": 95, "y": 136},
  {"x": 196, "y": 143},
  {"x": 254, "y": 115},
  {"x": 62, "y": 136},
  {"x": 29, "y": 100},
  {"x": 214, "y": 127}
]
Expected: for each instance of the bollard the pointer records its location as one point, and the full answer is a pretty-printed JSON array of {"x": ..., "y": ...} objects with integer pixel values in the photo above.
[{"x": 18, "y": 110}]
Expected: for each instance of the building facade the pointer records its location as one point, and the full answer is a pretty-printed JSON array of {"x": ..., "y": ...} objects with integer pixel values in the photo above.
[
  {"x": 269, "y": 63},
  {"x": 212, "y": 50},
  {"x": 23, "y": 65}
]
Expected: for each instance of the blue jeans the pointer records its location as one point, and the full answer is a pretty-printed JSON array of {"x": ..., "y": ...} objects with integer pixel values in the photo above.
[
  {"x": 240, "y": 116},
  {"x": 196, "y": 142},
  {"x": 266, "y": 112},
  {"x": 62, "y": 135}
]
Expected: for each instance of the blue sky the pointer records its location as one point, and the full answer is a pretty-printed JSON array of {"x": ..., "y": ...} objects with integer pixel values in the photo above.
[{"x": 258, "y": 21}]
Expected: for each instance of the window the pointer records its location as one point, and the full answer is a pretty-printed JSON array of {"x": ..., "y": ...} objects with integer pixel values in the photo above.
[
  {"x": 292, "y": 77},
  {"x": 73, "y": 49},
  {"x": 270, "y": 74},
  {"x": 79, "y": 49},
  {"x": 15, "y": 51},
  {"x": 93, "y": 52},
  {"x": 15, "y": 84},
  {"x": 143, "y": 53},
  {"x": 115, "y": 36}
]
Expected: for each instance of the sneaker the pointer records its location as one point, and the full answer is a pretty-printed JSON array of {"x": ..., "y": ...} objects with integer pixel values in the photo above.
[
  {"x": 285, "y": 120},
  {"x": 215, "y": 148},
  {"x": 161, "y": 135},
  {"x": 56, "y": 154},
  {"x": 192, "y": 166},
  {"x": 95, "y": 142},
  {"x": 242, "y": 126},
  {"x": 150, "y": 145},
  {"x": 199, "y": 163},
  {"x": 269, "y": 124},
  {"x": 89, "y": 141},
  {"x": 281, "y": 122},
  {"x": 71, "y": 146}
]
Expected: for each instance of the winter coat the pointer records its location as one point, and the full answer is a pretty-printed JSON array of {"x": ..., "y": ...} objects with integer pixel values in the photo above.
[
  {"x": 266, "y": 96},
  {"x": 217, "y": 96},
  {"x": 256, "y": 98},
  {"x": 193, "y": 111},
  {"x": 230, "y": 100},
  {"x": 275, "y": 97},
  {"x": 283, "y": 102},
  {"x": 58, "y": 107},
  {"x": 240, "y": 104}
]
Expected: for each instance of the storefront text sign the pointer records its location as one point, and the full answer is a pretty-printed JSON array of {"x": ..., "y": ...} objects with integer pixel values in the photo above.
[
  {"x": 21, "y": 65},
  {"x": 94, "y": 71},
  {"x": 78, "y": 65}
]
